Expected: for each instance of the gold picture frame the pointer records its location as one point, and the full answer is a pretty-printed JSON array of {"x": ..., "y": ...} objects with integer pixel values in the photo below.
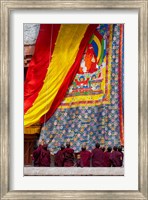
[{"x": 142, "y": 7}]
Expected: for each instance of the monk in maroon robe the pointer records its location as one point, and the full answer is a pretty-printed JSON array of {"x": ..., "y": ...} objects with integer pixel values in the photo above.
[
  {"x": 120, "y": 150},
  {"x": 78, "y": 161},
  {"x": 36, "y": 156},
  {"x": 68, "y": 156},
  {"x": 44, "y": 160},
  {"x": 59, "y": 157},
  {"x": 85, "y": 157},
  {"x": 103, "y": 149},
  {"x": 116, "y": 158},
  {"x": 107, "y": 162},
  {"x": 97, "y": 157}
]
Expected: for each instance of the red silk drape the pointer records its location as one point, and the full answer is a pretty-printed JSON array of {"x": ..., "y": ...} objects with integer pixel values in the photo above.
[{"x": 39, "y": 64}]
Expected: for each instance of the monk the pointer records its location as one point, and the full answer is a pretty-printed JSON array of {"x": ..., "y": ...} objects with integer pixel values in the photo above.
[
  {"x": 68, "y": 156},
  {"x": 116, "y": 158},
  {"x": 59, "y": 157},
  {"x": 120, "y": 150},
  {"x": 85, "y": 157},
  {"x": 97, "y": 156},
  {"x": 41, "y": 155},
  {"x": 36, "y": 154},
  {"x": 107, "y": 162},
  {"x": 103, "y": 149},
  {"x": 78, "y": 161},
  {"x": 44, "y": 160}
]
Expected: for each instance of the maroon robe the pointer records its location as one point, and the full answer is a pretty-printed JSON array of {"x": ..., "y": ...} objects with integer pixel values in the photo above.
[
  {"x": 107, "y": 162},
  {"x": 68, "y": 157},
  {"x": 59, "y": 158},
  {"x": 122, "y": 157},
  {"x": 78, "y": 163},
  {"x": 116, "y": 159},
  {"x": 97, "y": 158},
  {"x": 44, "y": 157},
  {"x": 85, "y": 157},
  {"x": 36, "y": 156}
]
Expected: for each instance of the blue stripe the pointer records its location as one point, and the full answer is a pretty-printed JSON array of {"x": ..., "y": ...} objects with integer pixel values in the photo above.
[{"x": 95, "y": 47}]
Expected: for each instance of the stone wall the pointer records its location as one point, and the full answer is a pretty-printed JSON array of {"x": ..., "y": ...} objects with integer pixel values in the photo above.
[
  {"x": 73, "y": 171},
  {"x": 30, "y": 33},
  {"x": 30, "y": 36}
]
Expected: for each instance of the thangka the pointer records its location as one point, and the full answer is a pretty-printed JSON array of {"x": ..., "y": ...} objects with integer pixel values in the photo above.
[
  {"x": 91, "y": 86},
  {"x": 93, "y": 108}
]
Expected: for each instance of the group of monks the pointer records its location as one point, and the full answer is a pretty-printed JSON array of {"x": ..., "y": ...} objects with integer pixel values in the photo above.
[{"x": 65, "y": 157}]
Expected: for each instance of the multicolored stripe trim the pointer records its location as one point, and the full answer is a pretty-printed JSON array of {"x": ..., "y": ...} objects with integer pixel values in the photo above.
[{"x": 121, "y": 84}]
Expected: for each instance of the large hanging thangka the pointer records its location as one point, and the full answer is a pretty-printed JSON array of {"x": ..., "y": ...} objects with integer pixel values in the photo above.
[{"x": 92, "y": 109}]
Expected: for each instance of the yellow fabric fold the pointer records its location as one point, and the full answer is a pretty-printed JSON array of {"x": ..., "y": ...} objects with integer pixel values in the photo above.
[{"x": 63, "y": 57}]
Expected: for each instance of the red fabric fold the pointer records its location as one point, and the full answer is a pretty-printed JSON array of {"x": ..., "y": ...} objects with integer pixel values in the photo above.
[
  {"x": 71, "y": 74},
  {"x": 40, "y": 62}
]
